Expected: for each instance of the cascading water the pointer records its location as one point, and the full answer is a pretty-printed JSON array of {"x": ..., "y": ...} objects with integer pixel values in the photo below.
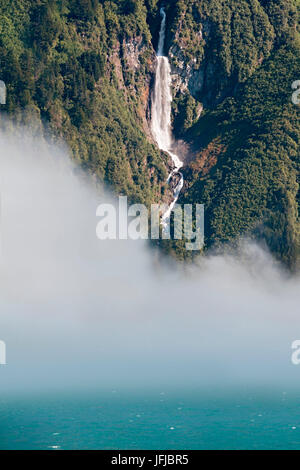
[{"x": 161, "y": 112}]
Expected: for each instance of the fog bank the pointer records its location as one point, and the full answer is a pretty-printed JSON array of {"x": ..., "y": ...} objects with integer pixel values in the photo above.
[{"x": 79, "y": 312}]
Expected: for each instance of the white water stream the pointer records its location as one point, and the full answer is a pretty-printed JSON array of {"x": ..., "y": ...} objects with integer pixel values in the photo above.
[{"x": 161, "y": 113}]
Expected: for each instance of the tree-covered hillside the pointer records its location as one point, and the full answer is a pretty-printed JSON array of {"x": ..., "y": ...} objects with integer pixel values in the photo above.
[
  {"x": 246, "y": 142},
  {"x": 85, "y": 69}
]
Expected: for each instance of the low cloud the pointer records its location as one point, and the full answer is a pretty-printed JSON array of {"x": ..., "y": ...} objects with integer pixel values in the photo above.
[{"x": 79, "y": 312}]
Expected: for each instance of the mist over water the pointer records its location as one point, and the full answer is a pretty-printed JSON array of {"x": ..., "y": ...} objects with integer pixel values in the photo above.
[{"x": 77, "y": 312}]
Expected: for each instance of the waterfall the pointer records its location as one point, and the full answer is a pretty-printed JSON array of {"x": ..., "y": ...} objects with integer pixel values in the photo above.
[{"x": 161, "y": 112}]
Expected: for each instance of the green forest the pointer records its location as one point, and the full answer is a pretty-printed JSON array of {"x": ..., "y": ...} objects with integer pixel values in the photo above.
[
  {"x": 246, "y": 169},
  {"x": 63, "y": 64},
  {"x": 84, "y": 70}
]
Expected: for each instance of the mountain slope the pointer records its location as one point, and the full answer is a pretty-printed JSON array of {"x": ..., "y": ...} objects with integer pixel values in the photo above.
[
  {"x": 245, "y": 145},
  {"x": 85, "y": 69}
]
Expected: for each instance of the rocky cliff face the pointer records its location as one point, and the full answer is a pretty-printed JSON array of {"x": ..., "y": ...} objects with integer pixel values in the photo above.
[
  {"x": 187, "y": 73},
  {"x": 133, "y": 61}
]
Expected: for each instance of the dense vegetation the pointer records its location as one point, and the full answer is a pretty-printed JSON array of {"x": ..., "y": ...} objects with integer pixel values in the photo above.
[
  {"x": 84, "y": 68},
  {"x": 245, "y": 166},
  {"x": 248, "y": 165},
  {"x": 63, "y": 62}
]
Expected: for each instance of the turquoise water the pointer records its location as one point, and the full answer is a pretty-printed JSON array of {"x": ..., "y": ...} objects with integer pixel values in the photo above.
[{"x": 118, "y": 420}]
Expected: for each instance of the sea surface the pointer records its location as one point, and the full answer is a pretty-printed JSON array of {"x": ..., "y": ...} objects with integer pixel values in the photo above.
[{"x": 123, "y": 420}]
